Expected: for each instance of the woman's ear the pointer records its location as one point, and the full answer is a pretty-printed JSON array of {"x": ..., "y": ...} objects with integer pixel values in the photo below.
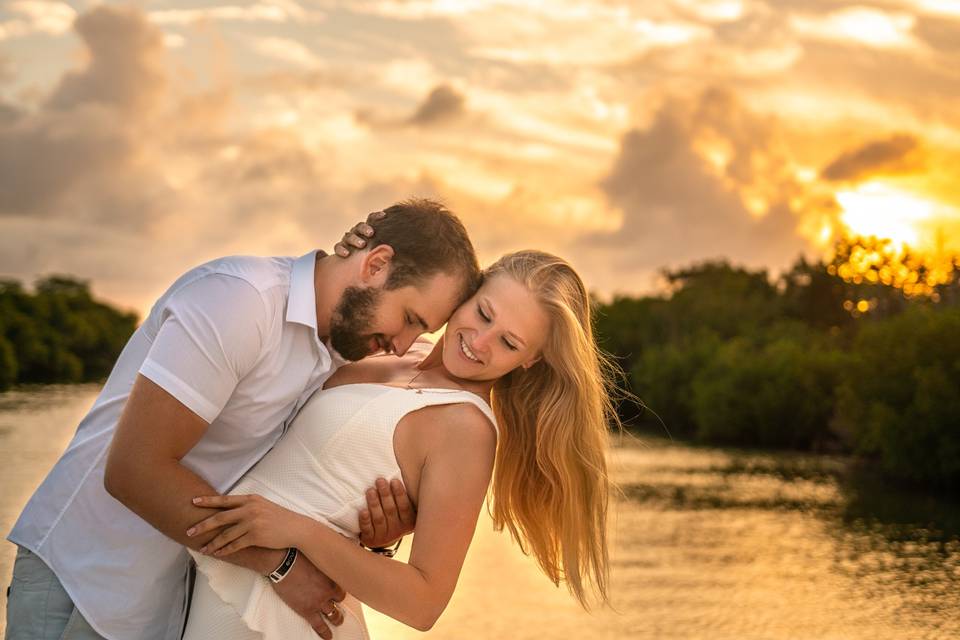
[
  {"x": 530, "y": 363},
  {"x": 375, "y": 266}
]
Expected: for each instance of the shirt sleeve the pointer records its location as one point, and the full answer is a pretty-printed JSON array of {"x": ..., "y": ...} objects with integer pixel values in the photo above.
[{"x": 210, "y": 336}]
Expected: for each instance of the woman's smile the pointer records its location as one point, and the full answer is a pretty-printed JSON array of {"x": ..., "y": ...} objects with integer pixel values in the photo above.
[{"x": 467, "y": 352}]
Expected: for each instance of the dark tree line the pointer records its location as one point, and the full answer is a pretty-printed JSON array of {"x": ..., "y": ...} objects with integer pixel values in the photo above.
[
  {"x": 58, "y": 333},
  {"x": 860, "y": 354}
]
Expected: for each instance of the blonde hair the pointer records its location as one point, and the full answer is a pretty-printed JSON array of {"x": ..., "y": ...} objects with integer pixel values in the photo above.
[{"x": 550, "y": 483}]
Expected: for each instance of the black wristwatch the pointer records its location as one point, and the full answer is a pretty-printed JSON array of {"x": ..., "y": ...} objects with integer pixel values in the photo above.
[
  {"x": 281, "y": 572},
  {"x": 388, "y": 552}
]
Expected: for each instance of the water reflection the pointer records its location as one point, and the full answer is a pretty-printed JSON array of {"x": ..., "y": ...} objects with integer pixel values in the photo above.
[
  {"x": 830, "y": 486},
  {"x": 902, "y": 514},
  {"x": 890, "y": 545}
]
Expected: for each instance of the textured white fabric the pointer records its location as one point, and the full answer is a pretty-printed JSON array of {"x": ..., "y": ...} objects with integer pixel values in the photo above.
[
  {"x": 338, "y": 445},
  {"x": 235, "y": 340},
  {"x": 212, "y": 618}
]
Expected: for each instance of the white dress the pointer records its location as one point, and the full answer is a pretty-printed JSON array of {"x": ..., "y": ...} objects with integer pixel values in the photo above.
[{"x": 338, "y": 445}]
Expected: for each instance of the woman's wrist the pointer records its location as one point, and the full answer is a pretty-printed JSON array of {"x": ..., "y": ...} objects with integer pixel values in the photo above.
[{"x": 303, "y": 529}]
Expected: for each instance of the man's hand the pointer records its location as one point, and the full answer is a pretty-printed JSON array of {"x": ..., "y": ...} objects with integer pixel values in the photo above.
[
  {"x": 389, "y": 515},
  {"x": 356, "y": 237},
  {"x": 312, "y": 595}
]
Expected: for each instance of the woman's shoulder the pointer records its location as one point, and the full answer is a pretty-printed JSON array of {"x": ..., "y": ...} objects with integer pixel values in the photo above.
[{"x": 462, "y": 422}]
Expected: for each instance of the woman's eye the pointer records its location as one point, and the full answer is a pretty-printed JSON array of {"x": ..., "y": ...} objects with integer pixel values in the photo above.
[
  {"x": 509, "y": 346},
  {"x": 485, "y": 317}
]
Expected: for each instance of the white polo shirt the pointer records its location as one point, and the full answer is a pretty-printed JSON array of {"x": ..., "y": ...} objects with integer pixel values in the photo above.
[{"x": 235, "y": 340}]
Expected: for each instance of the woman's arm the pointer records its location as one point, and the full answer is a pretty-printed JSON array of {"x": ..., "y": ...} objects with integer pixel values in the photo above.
[{"x": 454, "y": 479}]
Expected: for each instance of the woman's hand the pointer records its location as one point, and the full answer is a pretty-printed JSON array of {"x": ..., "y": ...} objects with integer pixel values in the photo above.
[
  {"x": 247, "y": 521},
  {"x": 356, "y": 238},
  {"x": 388, "y": 516}
]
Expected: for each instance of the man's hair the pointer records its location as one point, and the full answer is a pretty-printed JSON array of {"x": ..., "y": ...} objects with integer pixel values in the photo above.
[{"x": 427, "y": 239}]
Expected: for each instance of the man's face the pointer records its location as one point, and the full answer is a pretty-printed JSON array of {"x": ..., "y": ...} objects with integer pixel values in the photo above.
[{"x": 372, "y": 319}]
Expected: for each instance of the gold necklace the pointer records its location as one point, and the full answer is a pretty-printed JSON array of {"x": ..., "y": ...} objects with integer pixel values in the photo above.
[{"x": 410, "y": 386}]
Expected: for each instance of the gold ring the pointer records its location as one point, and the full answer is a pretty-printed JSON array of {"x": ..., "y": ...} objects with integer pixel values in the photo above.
[{"x": 334, "y": 611}]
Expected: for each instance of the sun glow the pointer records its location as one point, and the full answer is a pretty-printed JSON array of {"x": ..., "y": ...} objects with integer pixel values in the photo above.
[{"x": 876, "y": 209}]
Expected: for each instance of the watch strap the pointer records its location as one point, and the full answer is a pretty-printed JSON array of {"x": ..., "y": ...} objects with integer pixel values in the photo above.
[{"x": 281, "y": 572}]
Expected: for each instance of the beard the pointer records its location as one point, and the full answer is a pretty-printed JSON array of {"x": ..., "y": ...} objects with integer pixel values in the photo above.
[{"x": 351, "y": 322}]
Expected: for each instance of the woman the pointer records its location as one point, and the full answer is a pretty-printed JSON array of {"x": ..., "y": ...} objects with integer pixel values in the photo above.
[{"x": 522, "y": 344}]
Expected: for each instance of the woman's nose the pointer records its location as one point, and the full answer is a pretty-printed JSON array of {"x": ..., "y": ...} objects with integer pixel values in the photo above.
[{"x": 481, "y": 341}]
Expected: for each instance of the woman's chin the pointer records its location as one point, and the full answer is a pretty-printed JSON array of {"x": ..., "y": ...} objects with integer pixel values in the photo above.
[{"x": 457, "y": 368}]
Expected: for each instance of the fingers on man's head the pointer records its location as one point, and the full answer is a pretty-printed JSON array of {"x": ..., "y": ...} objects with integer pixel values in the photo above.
[{"x": 355, "y": 237}]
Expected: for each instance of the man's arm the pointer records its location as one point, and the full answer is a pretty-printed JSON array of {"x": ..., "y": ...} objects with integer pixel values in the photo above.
[{"x": 143, "y": 471}]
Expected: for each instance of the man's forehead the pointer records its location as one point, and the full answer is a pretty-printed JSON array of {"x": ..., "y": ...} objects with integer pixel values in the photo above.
[
  {"x": 436, "y": 299},
  {"x": 433, "y": 311}
]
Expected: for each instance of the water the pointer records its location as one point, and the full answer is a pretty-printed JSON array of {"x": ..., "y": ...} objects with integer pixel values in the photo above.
[{"x": 708, "y": 544}]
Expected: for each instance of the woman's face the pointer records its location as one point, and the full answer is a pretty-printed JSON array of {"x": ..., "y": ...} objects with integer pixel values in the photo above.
[{"x": 500, "y": 328}]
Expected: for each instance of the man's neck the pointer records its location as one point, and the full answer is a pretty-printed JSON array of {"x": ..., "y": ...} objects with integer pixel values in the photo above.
[{"x": 331, "y": 276}]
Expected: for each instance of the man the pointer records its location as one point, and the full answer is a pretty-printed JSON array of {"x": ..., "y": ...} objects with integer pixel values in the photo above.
[{"x": 202, "y": 390}]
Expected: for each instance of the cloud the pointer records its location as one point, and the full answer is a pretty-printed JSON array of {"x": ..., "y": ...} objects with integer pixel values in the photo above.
[
  {"x": 43, "y": 156},
  {"x": 288, "y": 81},
  {"x": 123, "y": 175},
  {"x": 9, "y": 114},
  {"x": 786, "y": 57},
  {"x": 530, "y": 36},
  {"x": 714, "y": 10},
  {"x": 126, "y": 63},
  {"x": 87, "y": 128},
  {"x": 896, "y": 154},
  {"x": 706, "y": 177},
  {"x": 861, "y": 26},
  {"x": 939, "y": 8},
  {"x": 7, "y": 72},
  {"x": 442, "y": 104},
  {"x": 34, "y": 16},
  {"x": 941, "y": 35},
  {"x": 263, "y": 11},
  {"x": 289, "y": 51},
  {"x": 244, "y": 138}
]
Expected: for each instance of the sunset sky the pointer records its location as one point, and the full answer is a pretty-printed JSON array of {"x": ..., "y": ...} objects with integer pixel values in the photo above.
[{"x": 137, "y": 140}]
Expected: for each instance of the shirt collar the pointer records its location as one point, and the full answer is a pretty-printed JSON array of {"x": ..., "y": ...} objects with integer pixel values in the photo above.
[
  {"x": 302, "y": 305},
  {"x": 302, "y": 301}
]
